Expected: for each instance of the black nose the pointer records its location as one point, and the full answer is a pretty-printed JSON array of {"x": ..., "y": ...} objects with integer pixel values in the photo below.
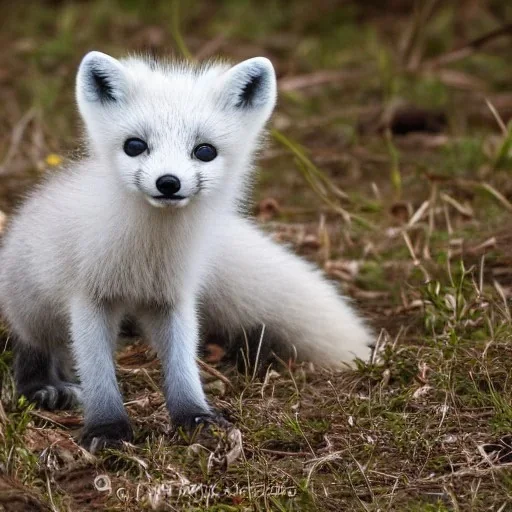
[{"x": 168, "y": 185}]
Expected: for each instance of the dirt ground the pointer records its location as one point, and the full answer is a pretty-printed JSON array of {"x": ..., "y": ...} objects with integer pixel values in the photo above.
[{"x": 389, "y": 164}]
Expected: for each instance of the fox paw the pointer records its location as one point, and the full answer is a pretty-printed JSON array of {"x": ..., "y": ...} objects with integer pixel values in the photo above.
[
  {"x": 214, "y": 419},
  {"x": 202, "y": 428},
  {"x": 64, "y": 395},
  {"x": 97, "y": 437}
]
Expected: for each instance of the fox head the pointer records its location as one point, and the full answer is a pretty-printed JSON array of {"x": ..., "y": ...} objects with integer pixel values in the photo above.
[{"x": 174, "y": 132}]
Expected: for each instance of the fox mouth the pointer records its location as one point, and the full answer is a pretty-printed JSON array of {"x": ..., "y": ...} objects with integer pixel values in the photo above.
[
  {"x": 176, "y": 201},
  {"x": 170, "y": 198}
]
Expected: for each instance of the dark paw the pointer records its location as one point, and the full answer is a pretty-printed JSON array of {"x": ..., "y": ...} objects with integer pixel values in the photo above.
[
  {"x": 201, "y": 423},
  {"x": 95, "y": 438},
  {"x": 215, "y": 419},
  {"x": 63, "y": 395},
  {"x": 211, "y": 431}
]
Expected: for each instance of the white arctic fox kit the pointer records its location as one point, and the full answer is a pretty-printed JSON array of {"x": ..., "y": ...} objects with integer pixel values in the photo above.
[{"x": 149, "y": 225}]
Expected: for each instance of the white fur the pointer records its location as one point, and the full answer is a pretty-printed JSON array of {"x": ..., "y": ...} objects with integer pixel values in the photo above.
[
  {"x": 91, "y": 244},
  {"x": 254, "y": 281}
]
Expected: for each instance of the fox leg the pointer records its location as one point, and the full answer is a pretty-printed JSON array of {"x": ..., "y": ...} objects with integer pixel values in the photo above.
[
  {"x": 40, "y": 377},
  {"x": 93, "y": 332},
  {"x": 174, "y": 333}
]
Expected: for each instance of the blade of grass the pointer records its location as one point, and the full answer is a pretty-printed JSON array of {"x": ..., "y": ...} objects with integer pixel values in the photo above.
[
  {"x": 317, "y": 180},
  {"x": 396, "y": 177},
  {"x": 299, "y": 152},
  {"x": 176, "y": 31},
  {"x": 347, "y": 217},
  {"x": 503, "y": 158},
  {"x": 497, "y": 195}
]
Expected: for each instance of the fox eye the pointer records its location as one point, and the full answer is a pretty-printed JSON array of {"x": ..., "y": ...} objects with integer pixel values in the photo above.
[
  {"x": 205, "y": 152},
  {"x": 134, "y": 147}
]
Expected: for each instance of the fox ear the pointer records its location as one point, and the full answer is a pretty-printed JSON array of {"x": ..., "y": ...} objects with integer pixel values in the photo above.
[
  {"x": 251, "y": 86},
  {"x": 100, "y": 78}
]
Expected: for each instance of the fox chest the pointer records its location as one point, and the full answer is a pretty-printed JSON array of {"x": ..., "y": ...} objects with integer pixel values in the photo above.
[{"x": 153, "y": 273}]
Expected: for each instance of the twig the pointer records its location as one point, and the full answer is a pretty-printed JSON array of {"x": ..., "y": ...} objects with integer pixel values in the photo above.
[
  {"x": 47, "y": 418},
  {"x": 412, "y": 43},
  {"x": 468, "y": 48},
  {"x": 497, "y": 116},
  {"x": 211, "y": 47},
  {"x": 16, "y": 136},
  {"x": 475, "y": 472},
  {"x": 285, "y": 454},
  {"x": 212, "y": 371},
  {"x": 294, "y": 83}
]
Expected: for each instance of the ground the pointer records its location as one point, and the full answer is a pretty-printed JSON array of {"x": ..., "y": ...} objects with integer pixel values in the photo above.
[{"x": 389, "y": 164}]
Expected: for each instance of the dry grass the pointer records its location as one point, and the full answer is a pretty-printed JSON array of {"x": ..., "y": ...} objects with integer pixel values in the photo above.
[{"x": 389, "y": 165}]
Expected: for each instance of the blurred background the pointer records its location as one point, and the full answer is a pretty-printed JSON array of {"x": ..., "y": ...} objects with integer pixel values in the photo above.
[
  {"x": 389, "y": 164},
  {"x": 382, "y": 106},
  {"x": 348, "y": 71}
]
